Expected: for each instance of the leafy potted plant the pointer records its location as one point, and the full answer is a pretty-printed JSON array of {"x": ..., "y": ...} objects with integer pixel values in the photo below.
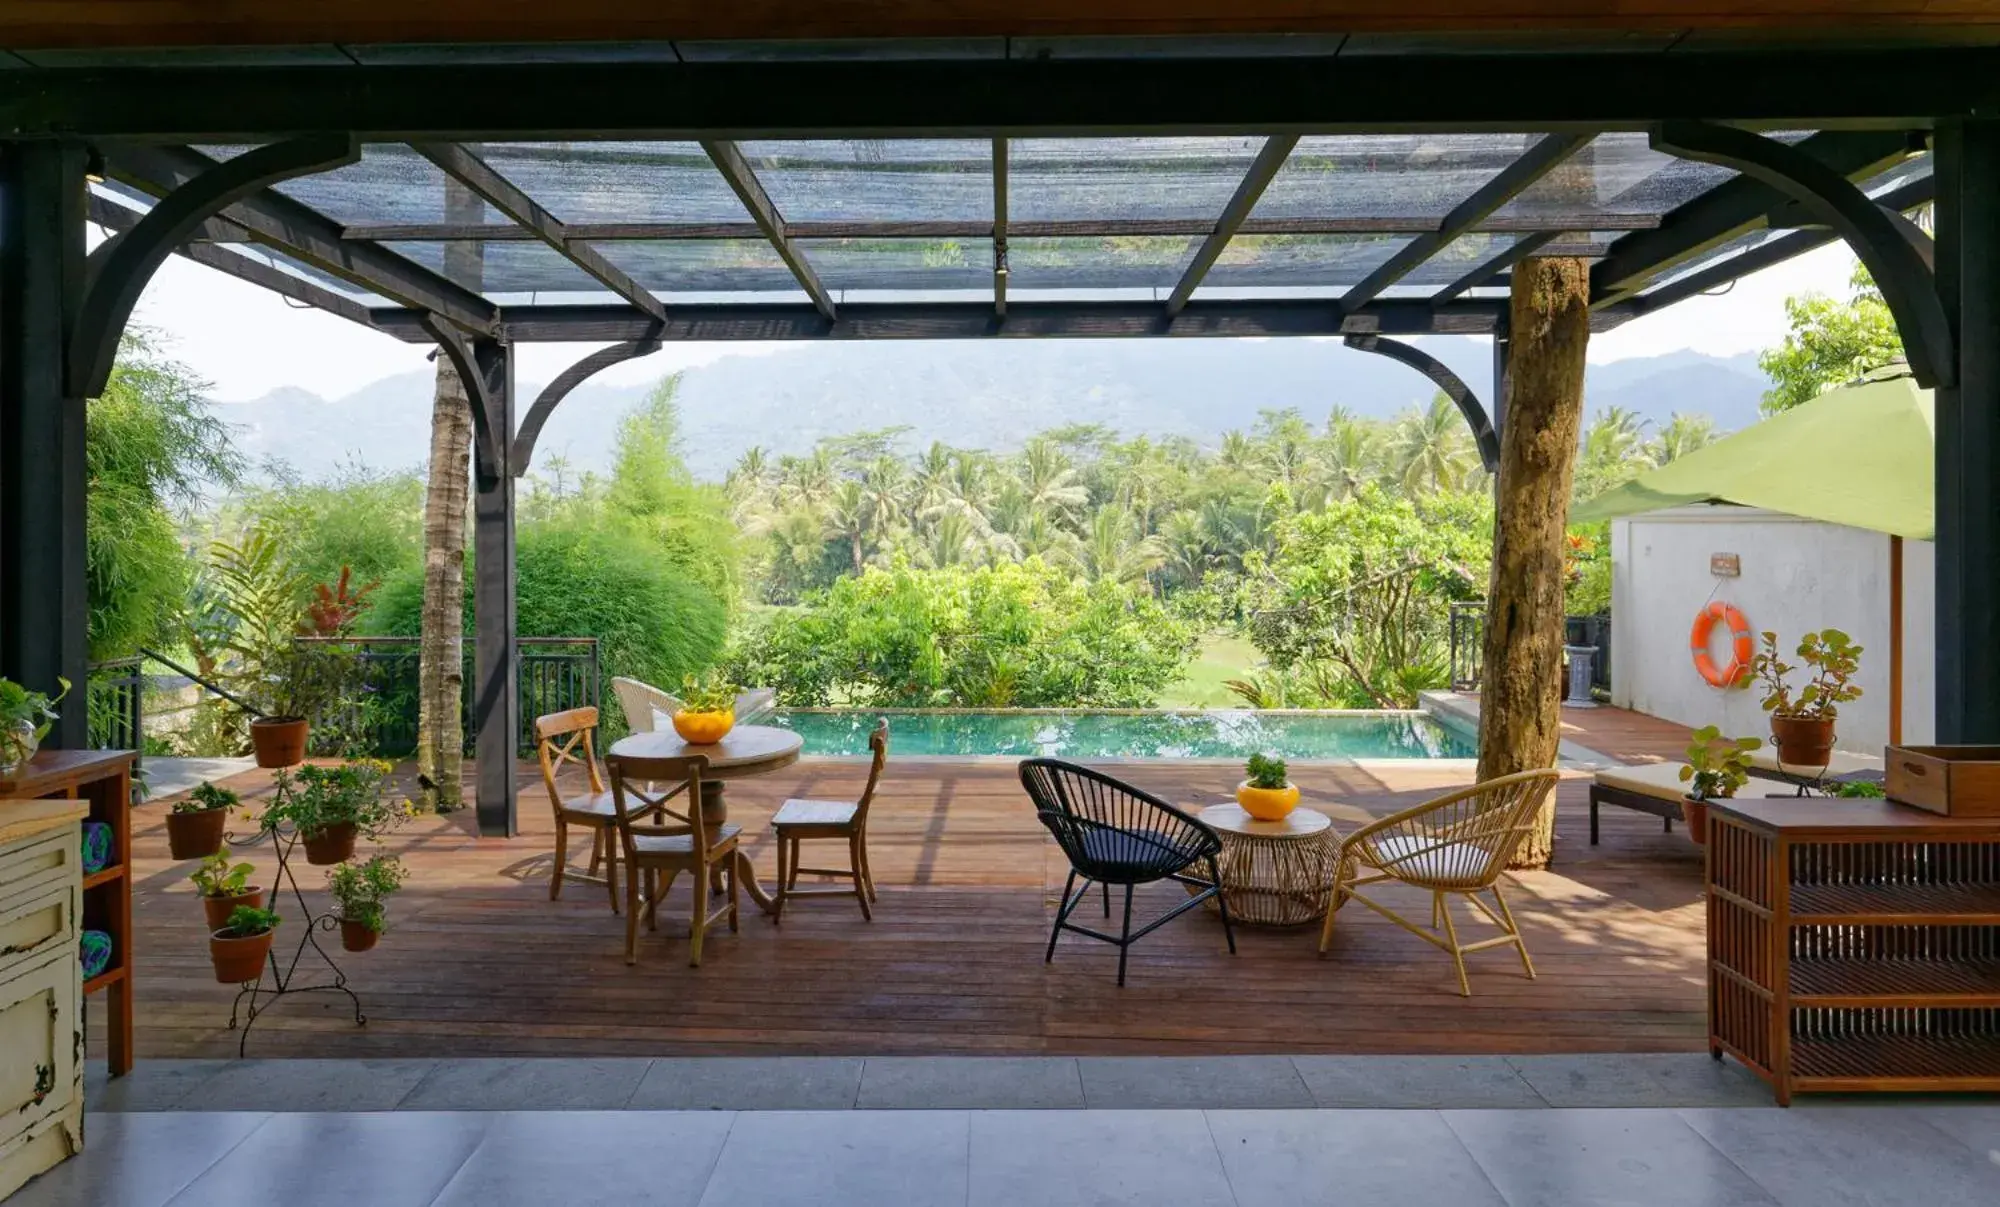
[
  {"x": 1267, "y": 795},
  {"x": 225, "y": 886},
  {"x": 359, "y": 889},
  {"x": 708, "y": 709},
  {"x": 194, "y": 826},
  {"x": 331, "y": 806},
  {"x": 1716, "y": 768},
  {"x": 239, "y": 946},
  {"x": 1802, "y": 725},
  {"x": 298, "y": 681},
  {"x": 25, "y": 718}
]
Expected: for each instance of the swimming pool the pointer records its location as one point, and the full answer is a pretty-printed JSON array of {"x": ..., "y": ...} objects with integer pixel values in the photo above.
[{"x": 1221, "y": 734}]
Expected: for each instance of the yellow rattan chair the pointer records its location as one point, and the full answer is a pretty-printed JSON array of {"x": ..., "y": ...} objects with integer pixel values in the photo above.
[{"x": 1455, "y": 845}]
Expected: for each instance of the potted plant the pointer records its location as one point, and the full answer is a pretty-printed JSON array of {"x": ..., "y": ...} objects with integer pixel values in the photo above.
[
  {"x": 297, "y": 682},
  {"x": 708, "y": 709},
  {"x": 25, "y": 718},
  {"x": 1802, "y": 725},
  {"x": 224, "y": 886},
  {"x": 359, "y": 889},
  {"x": 239, "y": 946},
  {"x": 1267, "y": 795},
  {"x": 194, "y": 826},
  {"x": 1716, "y": 768},
  {"x": 332, "y": 806}
]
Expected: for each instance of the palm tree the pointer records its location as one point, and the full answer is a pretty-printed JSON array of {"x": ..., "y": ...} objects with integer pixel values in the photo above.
[
  {"x": 1431, "y": 448},
  {"x": 885, "y": 485},
  {"x": 1682, "y": 435},
  {"x": 1184, "y": 545},
  {"x": 951, "y": 542},
  {"x": 850, "y": 520},
  {"x": 1614, "y": 451},
  {"x": 1114, "y": 551},
  {"x": 1048, "y": 481},
  {"x": 933, "y": 472},
  {"x": 440, "y": 665},
  {"x": 1348, "y": 454},
  {"x": 809, "y": 479}
]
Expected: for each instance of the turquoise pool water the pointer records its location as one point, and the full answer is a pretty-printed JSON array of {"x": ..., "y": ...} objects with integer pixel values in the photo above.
[{"x": 1166, "y": 735}]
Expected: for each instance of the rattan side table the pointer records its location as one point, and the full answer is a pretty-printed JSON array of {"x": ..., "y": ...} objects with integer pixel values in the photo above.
[{"x": 1275, "y": 873}]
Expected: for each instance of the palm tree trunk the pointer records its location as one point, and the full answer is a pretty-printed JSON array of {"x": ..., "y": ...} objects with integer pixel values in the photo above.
[
  {"x": 1520, "y": 705},
  {"x": 441, "y": 670}
]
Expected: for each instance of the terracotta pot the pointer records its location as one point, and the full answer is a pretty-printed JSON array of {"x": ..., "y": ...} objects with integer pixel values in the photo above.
[
  {"x": 333, "y": 844},
  {"x": 357, "y": 936},
  {"x": 218, "y": 909},
  {"x": 279, "y": 741},
  {"x": 1802, "y": 741},
  {"x": 704, "y": 728},
  {"x": 1267, "y": 804},
  {"x": 239, "y": 960},
  {"x": 195, "y": 835},
  {"x": 1695, "y": 814}
]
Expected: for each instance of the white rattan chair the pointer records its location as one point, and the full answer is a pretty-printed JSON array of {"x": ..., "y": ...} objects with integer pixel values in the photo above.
[
  {"x": 1456, "y": 845},
  {"x": 640, "y": 700}
]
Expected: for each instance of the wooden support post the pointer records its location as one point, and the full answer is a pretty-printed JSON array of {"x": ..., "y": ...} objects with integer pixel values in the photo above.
[
  {"x": 44, "y": 590},
  {"x": 1968, "y": 434},
  {"x": 1520, "y": 709},
  {"x": 496, "y": 687}
]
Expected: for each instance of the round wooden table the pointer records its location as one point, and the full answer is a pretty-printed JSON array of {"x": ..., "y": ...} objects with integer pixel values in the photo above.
[
  {"x": 744, "y": 751},
  {"x": 1275, "y": 873}
]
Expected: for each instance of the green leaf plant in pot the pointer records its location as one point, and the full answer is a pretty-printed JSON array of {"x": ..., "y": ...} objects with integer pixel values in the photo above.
[
  {"x": 195, "y": 824},
  {"x": 25, "y": 718},
  {"x": 1716, "y": 768},
  {"x": 330, "y": 807},
  {"x": 359, "y": 890},
  {"x": 239, "y": 947},
  {"x": 1802, "y": 723},
  {"x": 1267, "y": 795},
  {"x": 299, "y": 681},
  {"x": 225, "y": 886}
]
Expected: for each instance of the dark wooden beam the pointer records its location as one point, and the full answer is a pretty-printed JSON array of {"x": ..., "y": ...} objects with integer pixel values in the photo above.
[
  {"x": 1085, "y": 228},
  {"x": 475, "y": 174},
  {"x": 1732, "y": 208},
  {"x": 1488, "y": 271},
  {"x": 553, "y": 394},
  {"x": 1000, "y": 227},
  {"x": 1508, "y": 183},
  {"x": 1483, "y": 432},
  {"x": 736, "y": 170},
  {"x": 1785, "y": 87},
  {"x": 1272, "y": 157}
]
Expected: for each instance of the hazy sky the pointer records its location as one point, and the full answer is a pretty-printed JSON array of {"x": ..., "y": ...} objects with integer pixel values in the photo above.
[{"x": 248, "y": 341}]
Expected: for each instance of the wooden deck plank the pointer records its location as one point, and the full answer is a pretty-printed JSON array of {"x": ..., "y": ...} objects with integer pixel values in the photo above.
[{"x": 478, "y": 961}]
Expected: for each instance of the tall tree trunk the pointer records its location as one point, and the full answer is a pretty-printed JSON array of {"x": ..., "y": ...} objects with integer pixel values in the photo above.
[
  {"x": 1520, "y": 704},
  {"x": 441, "y": 674}
]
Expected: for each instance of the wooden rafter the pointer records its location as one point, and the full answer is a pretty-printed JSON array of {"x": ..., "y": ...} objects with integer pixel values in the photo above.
[
  {"x": 736, "y": 170},
  {"x": 1000, "y": 227},
  {"x": 1276, "y": 150}
]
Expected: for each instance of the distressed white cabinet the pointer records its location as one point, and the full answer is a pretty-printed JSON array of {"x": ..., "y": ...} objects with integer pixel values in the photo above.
[{"x": 41, "y": 991}]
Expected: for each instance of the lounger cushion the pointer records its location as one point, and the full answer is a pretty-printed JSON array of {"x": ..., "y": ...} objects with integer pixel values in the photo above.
[
  {"x": 1663, "y": 780},
  {"x": 1425, "y": 859}
]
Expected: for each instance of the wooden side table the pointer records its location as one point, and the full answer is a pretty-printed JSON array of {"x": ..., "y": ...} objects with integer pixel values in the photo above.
[{"x": 1275, "y": 873}]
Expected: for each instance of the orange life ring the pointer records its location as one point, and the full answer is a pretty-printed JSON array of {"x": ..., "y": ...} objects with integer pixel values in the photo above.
[{"x": 1741, "y": 645}]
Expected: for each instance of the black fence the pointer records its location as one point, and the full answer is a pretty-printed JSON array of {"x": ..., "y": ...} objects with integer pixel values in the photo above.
[
  {"x": 1468, "y": 644},
  {"x": 115, "y": 704},
  {"x": 377, "y": 713}
]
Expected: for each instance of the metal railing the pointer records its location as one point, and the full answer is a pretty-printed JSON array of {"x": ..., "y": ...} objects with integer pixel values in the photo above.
[
  {"x": 1468, "y": 644},
  {"x": 115, "y": 704},
  {"x": 377, "y": 713}
]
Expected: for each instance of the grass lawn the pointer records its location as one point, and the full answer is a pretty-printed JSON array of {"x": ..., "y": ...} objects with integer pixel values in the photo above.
[{"x": 1220, "y": 657}]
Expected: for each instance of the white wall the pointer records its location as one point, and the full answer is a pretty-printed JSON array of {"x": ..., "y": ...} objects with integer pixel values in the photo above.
[{"x": 1797, "y": 575}]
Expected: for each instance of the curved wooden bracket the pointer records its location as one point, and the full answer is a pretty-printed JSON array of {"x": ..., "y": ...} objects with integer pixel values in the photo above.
[
  {"x": 489, "y": 449},
  {"x": 118, "y": 271},
  {"x": 523, "y": 448},
  {"x": 1454, "y": 387},
  {"x": 1897, "y": 254}
]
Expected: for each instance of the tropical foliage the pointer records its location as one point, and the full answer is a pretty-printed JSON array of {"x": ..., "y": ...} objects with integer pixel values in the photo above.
[{"x": 1830, "y": 342}]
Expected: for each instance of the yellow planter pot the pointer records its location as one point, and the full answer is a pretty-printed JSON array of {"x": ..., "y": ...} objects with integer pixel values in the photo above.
[
  {"x": 1267, "y": 804},
  {"x": 704, "y": 728}
]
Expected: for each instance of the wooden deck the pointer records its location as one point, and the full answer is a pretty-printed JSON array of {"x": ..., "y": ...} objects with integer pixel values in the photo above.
[{"x": 478, "y": 961}]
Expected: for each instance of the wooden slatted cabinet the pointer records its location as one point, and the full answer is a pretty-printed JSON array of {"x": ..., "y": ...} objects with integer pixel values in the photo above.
[{"x": 1854, "y": 945}]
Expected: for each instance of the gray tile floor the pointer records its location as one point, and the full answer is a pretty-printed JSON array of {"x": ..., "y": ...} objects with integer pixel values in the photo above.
[
  {"x": 930, "y": 1083},
  {"x": 1937, "y": 1155}
]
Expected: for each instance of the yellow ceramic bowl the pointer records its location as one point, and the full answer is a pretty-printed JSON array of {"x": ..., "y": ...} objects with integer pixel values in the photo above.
[
  {"x": 704, "y": 728},
  {"x": 1267, "y": 804}
]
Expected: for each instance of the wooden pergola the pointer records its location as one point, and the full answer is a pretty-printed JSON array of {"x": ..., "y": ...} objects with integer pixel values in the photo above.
[{"x": 635, "y": 174}]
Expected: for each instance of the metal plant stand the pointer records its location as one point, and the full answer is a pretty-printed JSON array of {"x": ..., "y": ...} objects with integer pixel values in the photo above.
[{"x": 285, "y": 980}]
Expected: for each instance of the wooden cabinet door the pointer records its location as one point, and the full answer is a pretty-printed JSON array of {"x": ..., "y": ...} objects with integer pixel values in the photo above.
[{"x": 41, "y": 1069}]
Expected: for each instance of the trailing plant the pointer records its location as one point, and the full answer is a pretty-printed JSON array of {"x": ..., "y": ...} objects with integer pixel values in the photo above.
[
  {"x": 1717, "y": 766},
  {"x": 710, "y": 691},
  {"x": 1861, "y": 790},
  {"x": 314, "y": 799},
  {"x": 1834, "y": 659},
  {"x": 217, "y": 877},
  {"x": 247, "y": 922},
  {"x": 1266, "y": 771},
  {"x": 25, "y": 719},
  {"x": 207, "y": 796},
  {"x": 359, "y": 889}
]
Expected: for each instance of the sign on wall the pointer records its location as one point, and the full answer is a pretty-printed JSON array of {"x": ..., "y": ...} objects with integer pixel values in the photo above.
[{"x": 1725, "y": 565}]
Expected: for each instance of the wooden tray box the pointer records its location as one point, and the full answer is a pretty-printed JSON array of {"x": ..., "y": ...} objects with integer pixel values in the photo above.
[{"x": 1955, "y": 781}]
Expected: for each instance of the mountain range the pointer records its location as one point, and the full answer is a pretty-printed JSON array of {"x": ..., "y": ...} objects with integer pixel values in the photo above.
[{"x": 989, "y": 394}]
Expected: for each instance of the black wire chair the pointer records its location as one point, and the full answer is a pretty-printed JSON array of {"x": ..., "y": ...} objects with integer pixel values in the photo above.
[{"x": 1114, "y": 833}]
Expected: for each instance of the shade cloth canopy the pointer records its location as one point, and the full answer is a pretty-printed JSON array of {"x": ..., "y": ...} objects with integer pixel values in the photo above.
[{"x": 1859, "y": 455}]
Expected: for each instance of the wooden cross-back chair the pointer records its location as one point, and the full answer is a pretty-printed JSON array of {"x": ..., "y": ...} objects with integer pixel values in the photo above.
[
  {"x": 1456, "y": 845},
  {"x": 564, "y": 741},
  {"x": 807, "y": 820},
  {"x": 681, "y": 840}
]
